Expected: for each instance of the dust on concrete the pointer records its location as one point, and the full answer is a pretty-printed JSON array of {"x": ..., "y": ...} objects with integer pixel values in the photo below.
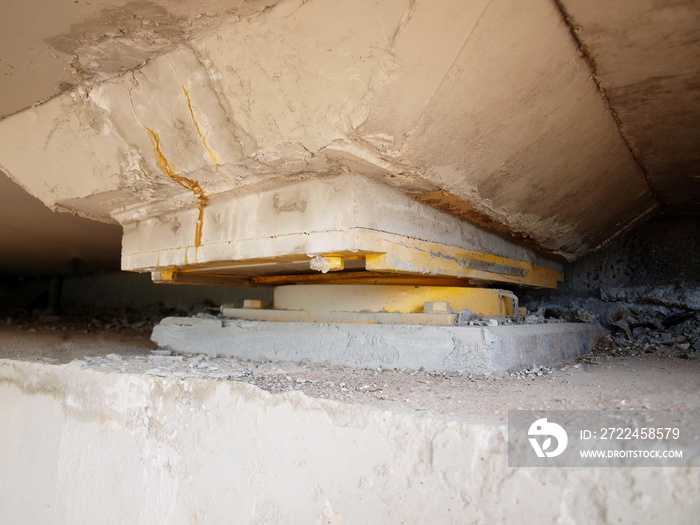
[
  {"x": 60, "y": 346},
  {"x": 118, "y": 38},
  {"x": 608, "y": 378}
]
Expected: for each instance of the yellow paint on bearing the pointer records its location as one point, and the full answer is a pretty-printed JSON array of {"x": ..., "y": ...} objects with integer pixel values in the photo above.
[{"x": 375, "y": 298}]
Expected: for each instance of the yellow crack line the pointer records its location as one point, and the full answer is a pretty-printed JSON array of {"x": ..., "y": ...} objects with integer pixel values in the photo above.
[
  {"x": 191, "y": 185},
  {"x": 205, "y": 142}
]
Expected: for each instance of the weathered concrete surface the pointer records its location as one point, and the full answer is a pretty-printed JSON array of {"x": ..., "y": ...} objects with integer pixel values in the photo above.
[
  {"x": 659, "y": 252},
  {"x": 645, "y": 57},
  {"x": 489, "y": 350},
  {"x": 487, "y": 102},
  {"x": 48, "y": 48},
  {"x": 291, "y": 223},
  {"x": 128, "y": 448}
]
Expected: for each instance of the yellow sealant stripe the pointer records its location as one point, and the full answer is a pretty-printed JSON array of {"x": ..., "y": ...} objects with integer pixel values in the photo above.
[
  {"x": 424, "y": 257},
  {"x": 538, "y": 277},
  {"x": 389, "y": 267},
  {"x": 402, "y": 257}
]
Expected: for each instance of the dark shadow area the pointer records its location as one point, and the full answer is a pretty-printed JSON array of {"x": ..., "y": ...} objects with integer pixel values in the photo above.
[
  {"x": 113, "y": 301},
  {"x": 644, "y": 287}
]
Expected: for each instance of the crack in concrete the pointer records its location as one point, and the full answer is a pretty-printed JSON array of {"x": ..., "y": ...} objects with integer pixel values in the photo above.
[
  {"x": 168, "y": 169},
  {"x": 189, "y": 184},
  {"x": 412, "y": 131},
  {"x": 402, "y": 23},
  {"x": 192, "y": 108},
  {"x": 244, "y": 138},
  {"x": 205, "y": 142},
  {"x": 590, "y": 62}
]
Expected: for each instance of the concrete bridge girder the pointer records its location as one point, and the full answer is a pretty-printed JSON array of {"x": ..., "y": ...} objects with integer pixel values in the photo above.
[{"x": 486, "y": 111}]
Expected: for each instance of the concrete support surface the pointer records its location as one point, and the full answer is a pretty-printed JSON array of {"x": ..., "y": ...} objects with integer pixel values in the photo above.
[
  {"x": 478, "y": 350},
  {"x": 132, "y": 448},
  {"x": 477, "y": 108}
]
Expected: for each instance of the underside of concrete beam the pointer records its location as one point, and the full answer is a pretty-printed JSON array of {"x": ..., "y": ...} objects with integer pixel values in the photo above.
[
  {"x": 478, "y": 350},
  {"x": 483, "y": 110}
]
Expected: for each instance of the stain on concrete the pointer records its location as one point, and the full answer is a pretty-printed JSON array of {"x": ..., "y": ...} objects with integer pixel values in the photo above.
[
  {"x": 203, "y": 136},
  {"x": 190, "y": 184},
  {"x": 447, "y": 202},
  {"x": 119, "y": 38},
  {"x": 287, "y": 203}
]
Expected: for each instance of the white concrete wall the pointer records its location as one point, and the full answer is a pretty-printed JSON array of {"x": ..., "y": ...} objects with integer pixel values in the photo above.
[{"x": 82, "y": 446}]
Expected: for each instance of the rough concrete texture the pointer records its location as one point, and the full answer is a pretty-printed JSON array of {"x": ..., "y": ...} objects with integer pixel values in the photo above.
[
  {"x": 652, "y": 84},
  {"x": 644, "y": 286},
  {"x": 488, "y": 102},
  {"x": 653, "y": 271},
  {"x": 657, "y": 253},
  {"x": 47, "y": 49},
  {"x": 488, "y": 350},
  {"x": 129, "y": 448}
]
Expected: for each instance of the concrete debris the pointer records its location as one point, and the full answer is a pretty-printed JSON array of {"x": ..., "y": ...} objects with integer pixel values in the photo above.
[
  {"x": 676, "y": 335},
  {"x": 330, "y": 382},
  {"x": 598, "y": 380},
  {"x": 639, "y": 319},
  {"x": 320, "y": 264},
  {"x": 329, "y": 517},
  {"x": 533, "y": 319},
  {"x": 123, "y": 320},
  {"x": 530, "y": 373},
  {"x": 206, "y": 315},
  {"x": 672, "y": 296}
]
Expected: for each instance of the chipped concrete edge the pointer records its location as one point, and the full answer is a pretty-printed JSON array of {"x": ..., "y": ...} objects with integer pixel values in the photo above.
[{"x": 184, "y": 450}]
